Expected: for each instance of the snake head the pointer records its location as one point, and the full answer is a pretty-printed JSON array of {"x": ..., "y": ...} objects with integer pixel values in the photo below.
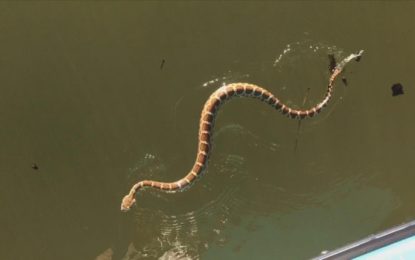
[{"x": 127, "y": 202}]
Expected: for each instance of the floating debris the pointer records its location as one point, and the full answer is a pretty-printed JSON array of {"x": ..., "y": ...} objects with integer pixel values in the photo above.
[
  {"x": 344, "y": 80},
  {"x": 34, "y": 166},
  {"x": 162, "y": 63},
  {"x": 397, "y": 89}
]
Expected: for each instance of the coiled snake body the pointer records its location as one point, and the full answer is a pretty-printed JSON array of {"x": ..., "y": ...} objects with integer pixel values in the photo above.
[{"x": 212, "y": 105}]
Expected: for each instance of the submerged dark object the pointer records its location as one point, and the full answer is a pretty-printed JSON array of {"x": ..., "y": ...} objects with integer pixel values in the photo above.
[
  {"x": 332, "y": 62},
  {"x": 397, "y": 89},
  {"x": 34, "y": 166},
  {"x": 162, "y": 63}
]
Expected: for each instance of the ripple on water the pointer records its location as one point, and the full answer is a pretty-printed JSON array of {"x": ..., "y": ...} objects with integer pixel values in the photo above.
[
  {"x": 228, "y": 77},
  {"x": 176, "y": 230},
  {"x": 228, "y": 191},
  {"x": 166, "y": 235}
]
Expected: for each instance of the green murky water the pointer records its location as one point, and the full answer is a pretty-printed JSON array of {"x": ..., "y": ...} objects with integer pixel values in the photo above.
[{"x": 84, "y": 97}]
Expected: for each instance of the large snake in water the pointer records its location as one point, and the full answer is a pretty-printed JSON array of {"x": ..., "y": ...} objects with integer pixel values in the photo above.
[{"x": 209, "y": 112}]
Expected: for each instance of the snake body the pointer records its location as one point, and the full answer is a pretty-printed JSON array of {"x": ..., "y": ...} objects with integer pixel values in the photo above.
[{"x": 207, "y": 118}]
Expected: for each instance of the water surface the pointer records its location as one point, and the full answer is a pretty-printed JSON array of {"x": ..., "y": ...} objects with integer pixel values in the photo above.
[{"x": 83, "y": 96}]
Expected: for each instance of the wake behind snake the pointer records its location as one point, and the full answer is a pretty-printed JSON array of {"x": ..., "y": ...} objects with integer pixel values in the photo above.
[{"x": 207, "y": 118}]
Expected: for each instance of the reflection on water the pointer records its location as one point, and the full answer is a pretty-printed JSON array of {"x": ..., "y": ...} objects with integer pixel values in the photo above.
[{"x": 279, "y": 234}]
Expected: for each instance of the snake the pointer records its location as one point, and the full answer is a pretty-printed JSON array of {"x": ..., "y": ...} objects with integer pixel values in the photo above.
[{"x": 210, "y": 109}]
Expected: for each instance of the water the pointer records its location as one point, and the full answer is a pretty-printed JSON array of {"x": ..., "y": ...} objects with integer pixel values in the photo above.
[{"x": 83, "y": 97}]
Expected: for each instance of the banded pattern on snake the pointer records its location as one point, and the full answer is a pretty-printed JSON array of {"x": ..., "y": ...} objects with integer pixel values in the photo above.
[{"x": 210, "y": 109}]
